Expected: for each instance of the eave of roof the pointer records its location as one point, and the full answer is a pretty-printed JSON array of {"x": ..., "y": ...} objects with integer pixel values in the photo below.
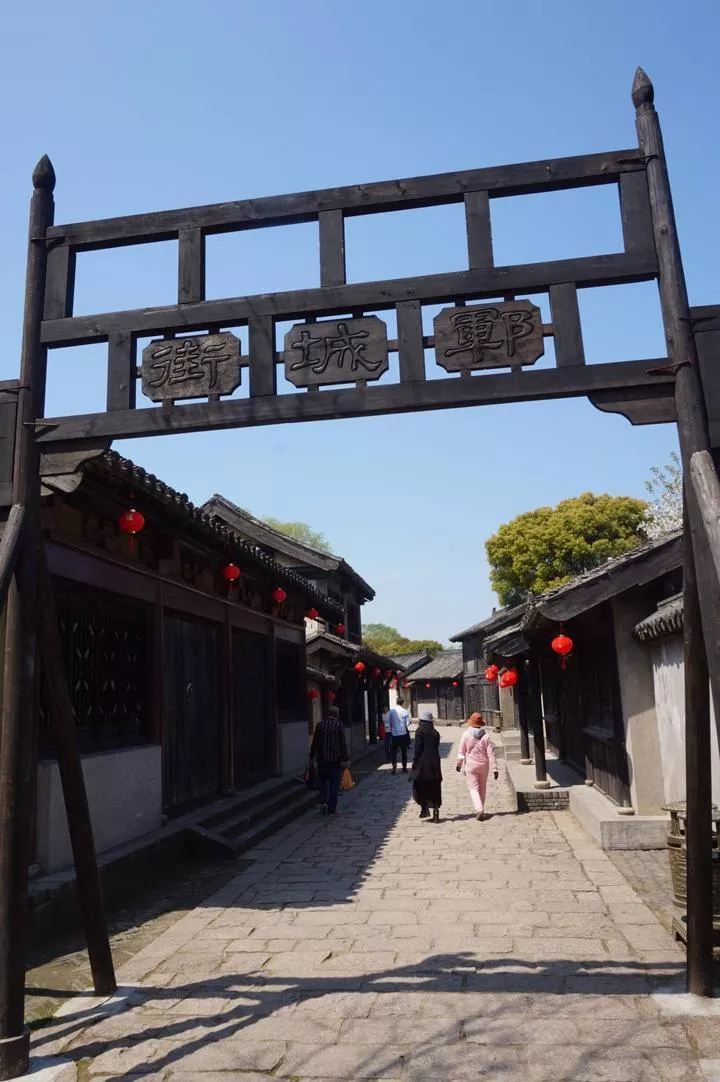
[
  {"x": 112, "y": 465},
  {"x": 668, "y": 619},
  {"x": 443, "y": 667}
]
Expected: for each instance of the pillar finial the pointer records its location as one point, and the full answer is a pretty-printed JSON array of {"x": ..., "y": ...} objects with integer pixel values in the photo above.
[
  {"x": 643, "y": 92},
  {"x": 44, "y": 174}
]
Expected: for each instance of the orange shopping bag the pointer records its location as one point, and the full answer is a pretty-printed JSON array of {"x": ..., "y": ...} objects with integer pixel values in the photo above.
[{"x": 346, "y": 781}]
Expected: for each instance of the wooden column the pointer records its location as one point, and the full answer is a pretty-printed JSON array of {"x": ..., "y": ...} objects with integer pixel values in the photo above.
[
  {"x": 522, "y": 693},
  {"x": 18, "y": 736},
  {"x": 535, "y": 720},
  {"x": 698, "y": 786},
  {"x": 702, "y": 593},
  {"x": 74, "y": 792}
]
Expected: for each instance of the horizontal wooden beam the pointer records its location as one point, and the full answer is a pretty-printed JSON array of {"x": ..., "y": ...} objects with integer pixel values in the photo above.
[
  {"x": 415, "y": 396},
  {"x": 520, "y": 179},
  {"x": 601, "y": 270}
]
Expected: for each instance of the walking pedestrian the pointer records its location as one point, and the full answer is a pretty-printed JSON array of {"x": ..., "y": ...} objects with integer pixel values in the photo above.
[
  {"x": 399, "y": 722},
  {"x": 477, "y": 755},
  {"x": 426, "y": 768},
  {"x": 329, "y": 751}
]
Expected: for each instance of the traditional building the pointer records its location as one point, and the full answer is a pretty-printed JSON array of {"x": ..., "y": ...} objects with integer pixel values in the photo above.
[
  {"x": 360, "y": 679},
  {"x": 614, "y": 709},
  {"x": 437, "y": 686},
  {"x": 184, "y": 684}
]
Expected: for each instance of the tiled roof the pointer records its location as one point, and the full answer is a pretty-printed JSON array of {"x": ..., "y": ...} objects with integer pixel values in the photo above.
[
  {"x": 446, "y": 666},
  {"x": 111, "y": 464},
  {"x": 353, "y": 648},
  {"x": 497, "y": 620},
  {"x": 668, "y": 619}
]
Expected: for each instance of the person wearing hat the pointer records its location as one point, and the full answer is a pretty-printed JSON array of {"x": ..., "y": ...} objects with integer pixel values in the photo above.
[
  {"x": 426, "y": 770},
  {"x": 477, "y": 755}
]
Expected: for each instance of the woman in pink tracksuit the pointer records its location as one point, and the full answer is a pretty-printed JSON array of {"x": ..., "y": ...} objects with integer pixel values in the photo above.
[{"x": 477, "y": 755}]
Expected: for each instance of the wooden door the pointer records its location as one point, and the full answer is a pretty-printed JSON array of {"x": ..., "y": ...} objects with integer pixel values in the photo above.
[
  {"x": 191, "y": 730},
  {"x": 251, "y": 717},
  {"x": 551, "y": 706}
]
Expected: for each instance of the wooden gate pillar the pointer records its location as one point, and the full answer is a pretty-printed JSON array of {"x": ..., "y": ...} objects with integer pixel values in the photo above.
[
  {"x": 18, "y": 734},
  {"x": 702, "y": 584},
  {"x": 522, "y": 693},
  {"x": 535, "y": 720}
]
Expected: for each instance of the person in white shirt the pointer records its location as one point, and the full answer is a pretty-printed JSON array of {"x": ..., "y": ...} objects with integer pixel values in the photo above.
[
  {"x": 387, "y": 735},
  {"x": 399, "y": 723}
]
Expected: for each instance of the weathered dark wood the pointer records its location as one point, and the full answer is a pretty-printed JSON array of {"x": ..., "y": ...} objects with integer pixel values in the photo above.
[
  {"x": 18, "y": 764},
  {"x": 263, "y": 374},
  {"x": 706, "y": 326},
  {"x": 336, "y": 351},
  {"x": 522, "y": 694},
  {"x": 192, "y": 367},
  {"x": 555, "y": 174},
  {"x": 354, "y": 402},
  {"x": 704, "y": 480},
  {"x": 693, "y": 436},
  {"x": 10, "y": 548},
  {"x": 74, "y": 792},
  {"x": 569, "y": 348},
  {"x": 488, "y": 336},
  {"x": 651, "y": 406},
  {"x": 8, "y": 423},
  {"x": 191, "y": 266},
  {"x": 410, "y": 341},
  {"x": 535, "y": 721},
  {"x": 332, "y": 248},
  {"x": 479, "y": 230},
  {"x": 121, "y": 380},
  {"x": 59, "y": 282},
  {"x": 602, "y": 270},
  {"x": 698, "y": 784},
  {"x": 635, "y": 213}
]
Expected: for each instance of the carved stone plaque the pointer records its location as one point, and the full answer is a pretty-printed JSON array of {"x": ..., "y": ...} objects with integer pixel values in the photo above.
[
  {"x": 336, "y": 351},
  {"x": 488, "y": 336},
  {"x": 205, "y": 364}
]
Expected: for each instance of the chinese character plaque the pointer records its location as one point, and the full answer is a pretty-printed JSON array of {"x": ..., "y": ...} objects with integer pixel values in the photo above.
[
  {"x": 336, "y": 351},
  {"x": 196, "y": 367},
  {"x": 488, "y": 336}
]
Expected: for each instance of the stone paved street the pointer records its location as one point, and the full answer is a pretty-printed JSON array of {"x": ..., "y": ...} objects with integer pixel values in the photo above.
[{"x": 377, "y": 946}]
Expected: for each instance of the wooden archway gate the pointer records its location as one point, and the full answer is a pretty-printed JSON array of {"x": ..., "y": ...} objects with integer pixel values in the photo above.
[{"x": 339, "y": 344}]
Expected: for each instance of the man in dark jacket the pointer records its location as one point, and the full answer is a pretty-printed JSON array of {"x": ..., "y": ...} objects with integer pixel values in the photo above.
[{"x": 329, "y": 750}]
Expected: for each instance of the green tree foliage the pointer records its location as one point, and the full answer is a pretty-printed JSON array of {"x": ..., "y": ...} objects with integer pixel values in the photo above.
[
  {"x": 387, "y": 640},
  {"x": 542, "y": 549},
  {"x": 300, "y": 531}
]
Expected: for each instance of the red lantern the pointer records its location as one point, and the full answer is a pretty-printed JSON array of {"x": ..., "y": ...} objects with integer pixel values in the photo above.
[
  {"x": 376, "y": 671},
  {"x": 562, "y": 645},
  {"x": 359, "y": 667},
  {"x": 455, "y": 684},
  {"x": 278, "y": 595},
  {"x": 312, "y": 614},
  {"x": 313, "y": 693},
  {"x": 491, "y": 673},
  {"x": 231, "y": 572},
  {"x": 340, "y": 629},
  {"x": 406, "y": 684},
  {"x": 393, "y": 683},
  {"x": 131, "y": 522},
  {"x": 428, "y": 685},
  {"x": 509, "y": 678},
  {"x": 331, "y": 696},
  {"x": 388, "y": 674}
]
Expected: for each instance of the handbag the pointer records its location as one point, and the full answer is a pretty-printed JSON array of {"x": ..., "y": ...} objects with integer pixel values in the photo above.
[{"x": 346, "y": 781}]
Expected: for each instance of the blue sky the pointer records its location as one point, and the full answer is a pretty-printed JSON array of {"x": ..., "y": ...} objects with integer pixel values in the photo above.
[{"x": 151, "y": 106}]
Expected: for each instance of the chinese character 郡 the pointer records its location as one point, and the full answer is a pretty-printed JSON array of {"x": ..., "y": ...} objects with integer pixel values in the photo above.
[{"x": 488, "y": 330}]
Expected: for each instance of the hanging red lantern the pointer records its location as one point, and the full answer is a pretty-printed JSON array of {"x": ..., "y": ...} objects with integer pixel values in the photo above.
[
  {"x": 406, "y": 684},
  {"x": 376, "y": 671},
  {"x": 455, "y": 684},
  {"x": 340, "y": 629},
  {"x": 312, "y": 614},
  {"x": 278, "y": 595},
  {"x": 491, "y": 673},
  {"x": 231, "y": 572},
  {"x": 331, "y": 696},
  {"x": 428, "y": 684},
  {"x": 313, "y": 693},
  {"x": 131, "y": 522},
  {"x": 388, "y": 674},
  {"x": 563, "y": 645},
  {"x": 509, "y": 678},
  {"x": 359, "y": 667},
  {"x": 393, "y": 683}
]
